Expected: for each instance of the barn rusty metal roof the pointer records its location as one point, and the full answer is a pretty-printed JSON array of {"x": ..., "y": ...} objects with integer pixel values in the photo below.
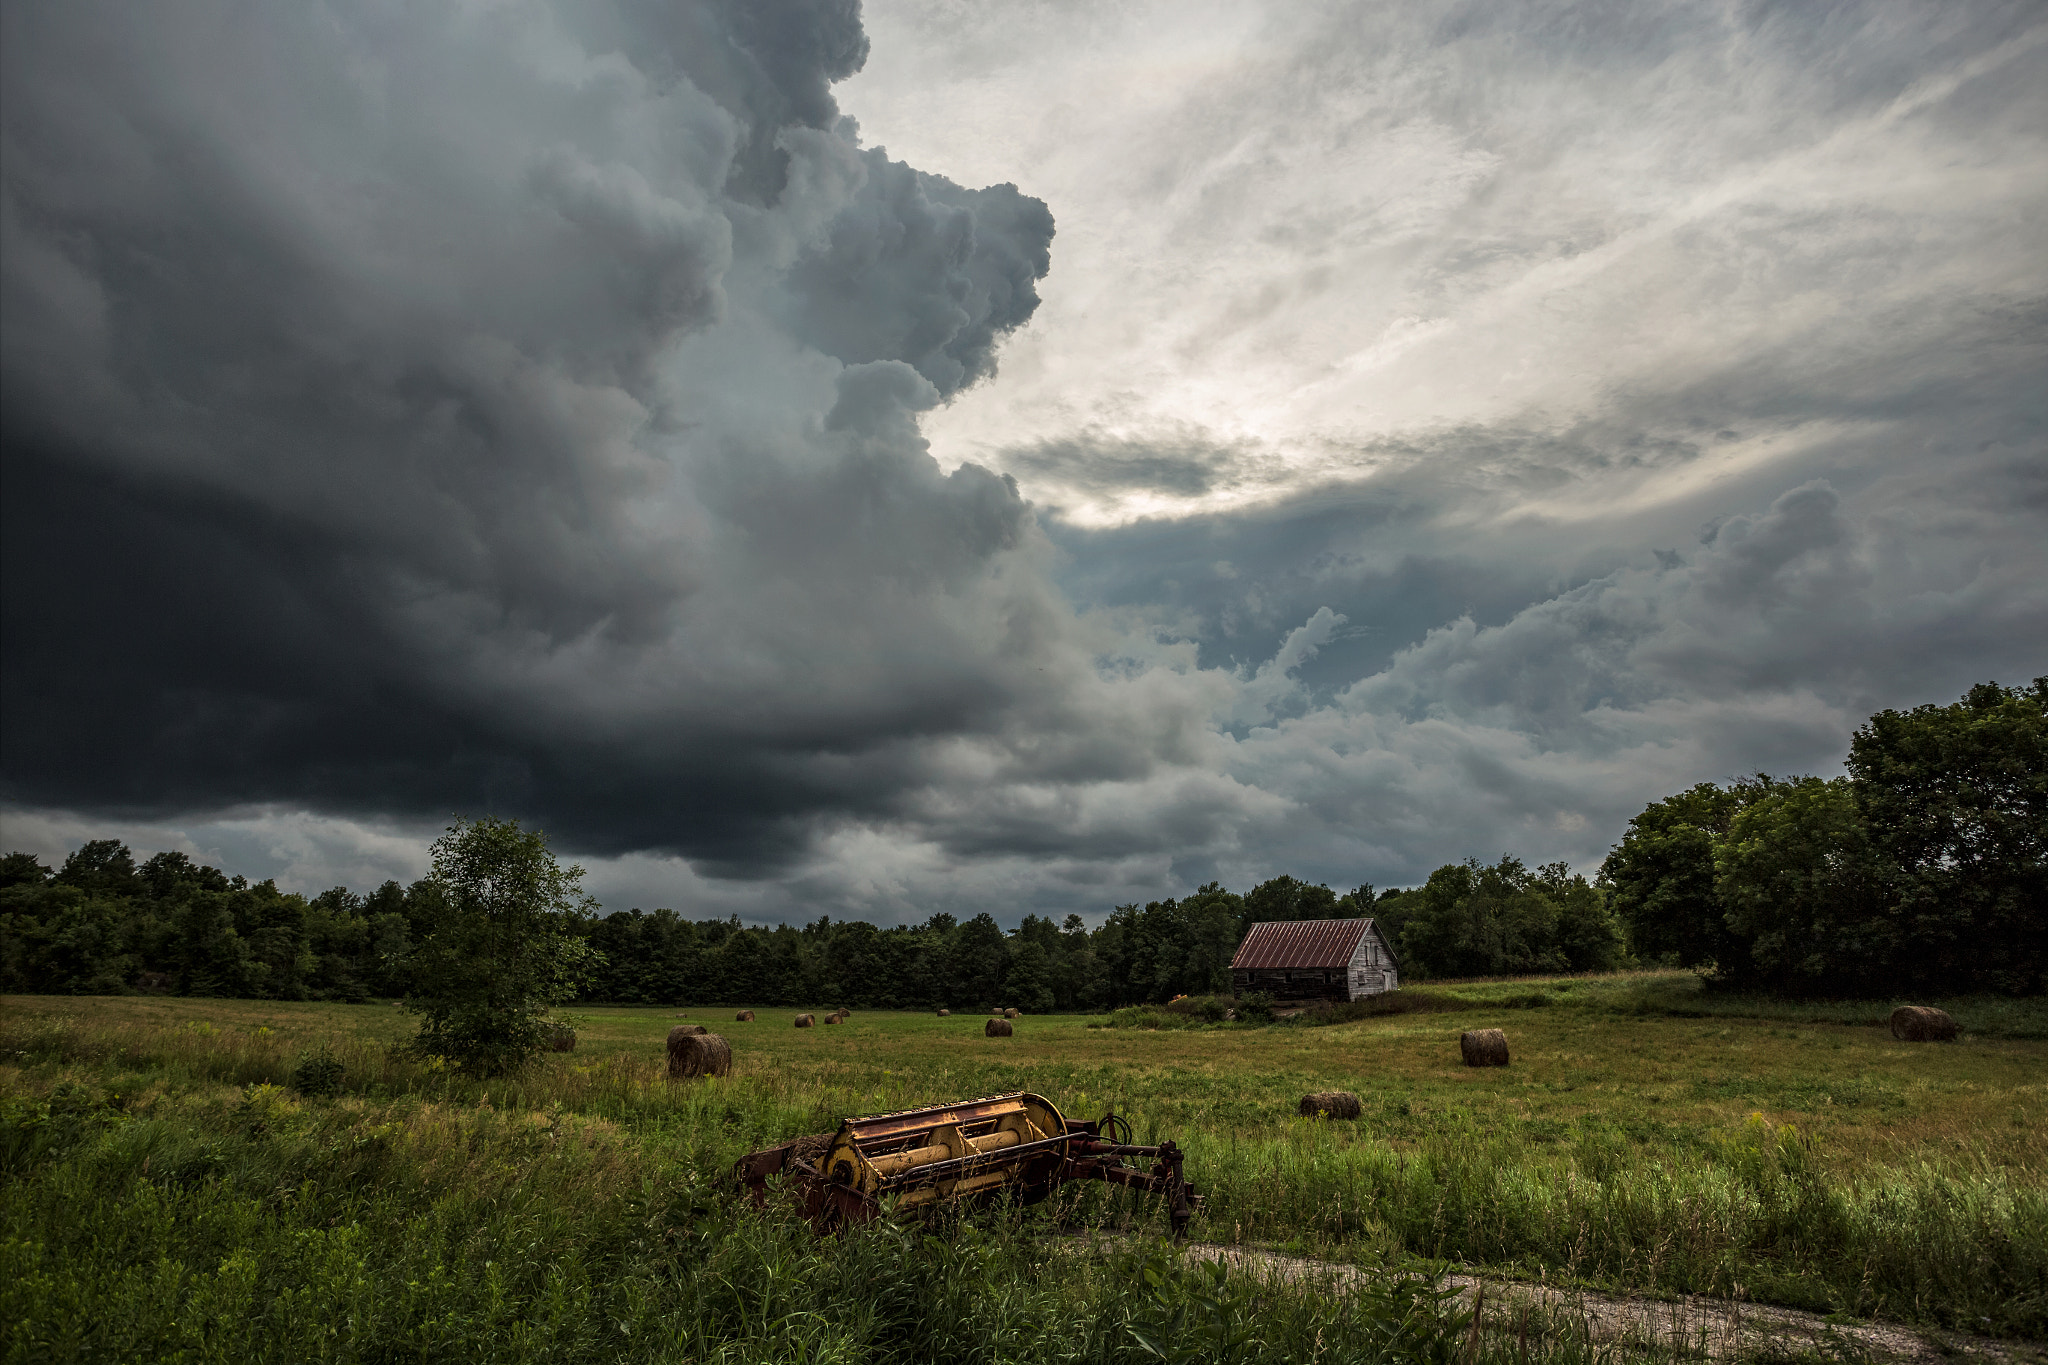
[{"x": 1301, "y": 943}]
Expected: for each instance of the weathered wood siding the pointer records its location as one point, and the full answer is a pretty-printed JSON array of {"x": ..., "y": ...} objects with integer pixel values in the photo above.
[{"x": 1372, "y": 970}]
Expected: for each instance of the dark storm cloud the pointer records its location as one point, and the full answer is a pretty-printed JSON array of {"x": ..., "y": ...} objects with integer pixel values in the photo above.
[
  {"x": 426, "y": 412},
  {"x": 922, "y": 270}
]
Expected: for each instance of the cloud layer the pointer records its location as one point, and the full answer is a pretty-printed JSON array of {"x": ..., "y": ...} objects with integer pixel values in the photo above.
[{"x": 1441, "y": 430}]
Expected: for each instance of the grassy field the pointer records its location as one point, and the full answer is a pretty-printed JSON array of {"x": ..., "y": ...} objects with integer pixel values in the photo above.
[{"x": 1645, "y": 1138}]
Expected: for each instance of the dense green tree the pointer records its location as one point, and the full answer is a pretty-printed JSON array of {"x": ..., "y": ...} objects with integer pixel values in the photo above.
[
  {"x": 1283, "y": 898},
  {"x": 1470, "y": 919},
  {"x": 22, "y": 869},
  {"x": 103, "y": 866},
  {"x": 500, "y": 950},
  {"x": 1661, "y": 876},
  {"x": 1800, "y": 886},
  {"x": 979, "y": 960},
  {"x": 1955, "y": 801}
]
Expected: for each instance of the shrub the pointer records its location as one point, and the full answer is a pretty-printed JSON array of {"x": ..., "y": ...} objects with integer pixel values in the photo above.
[{"x": 319, "y": 1072}]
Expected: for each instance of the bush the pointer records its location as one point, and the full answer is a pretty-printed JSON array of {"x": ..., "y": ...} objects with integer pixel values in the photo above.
[
  {"x": 318, "y": 1073},
  {"x": 1255, "y": 1007}
]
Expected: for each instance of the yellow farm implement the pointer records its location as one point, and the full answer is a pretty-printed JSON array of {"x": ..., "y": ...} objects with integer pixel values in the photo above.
[{"x": 1017, "y": 1144}]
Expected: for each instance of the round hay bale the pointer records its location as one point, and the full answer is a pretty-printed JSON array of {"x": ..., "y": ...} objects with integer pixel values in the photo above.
[
  {"x": 804, "y": 1021},
  {"x": 997, "y": 1028},
  {"x": 1013, "y": 1014},
  {"x": 843, "y": 1012},
  {"x": 697, "y": 1054},
  {"x": 744, "y": 1017},
  {"x": 1333, "y": 1104},
  {"x": 562, "y": 1040},
  {"x": 1922, "y": 1024},
  {"x": 1484, "y": 1047},
  {"x": 945, "y": 1014},
  {"x": 687, "y": 1028},
  {"x": 831, "y": 1018}
]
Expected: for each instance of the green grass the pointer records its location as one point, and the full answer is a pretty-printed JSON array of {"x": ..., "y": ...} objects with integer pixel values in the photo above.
[{"x": 1784, "y": 1156}]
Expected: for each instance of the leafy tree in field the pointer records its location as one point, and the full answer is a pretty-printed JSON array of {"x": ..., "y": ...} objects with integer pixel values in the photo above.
[
  {"x": 1955, "y": 799},
  {"x": 498, "y": 949},
  {"x": 1800, "y": 886}
]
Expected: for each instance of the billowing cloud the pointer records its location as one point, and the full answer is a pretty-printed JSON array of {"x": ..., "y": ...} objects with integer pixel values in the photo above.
[
  {"x": 511, "y": 405},
  {"x": 1441, "y": 430}
]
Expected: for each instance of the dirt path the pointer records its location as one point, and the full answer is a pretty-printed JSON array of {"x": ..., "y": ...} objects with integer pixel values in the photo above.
[{"x": 1693, "y": 1325}]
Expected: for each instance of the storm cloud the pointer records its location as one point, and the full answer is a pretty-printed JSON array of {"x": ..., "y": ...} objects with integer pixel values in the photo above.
[{"x": 1434, "y": 431}]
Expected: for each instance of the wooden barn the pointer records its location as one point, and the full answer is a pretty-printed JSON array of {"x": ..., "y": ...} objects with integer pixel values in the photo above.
[{"x": 1315, "y": 959}]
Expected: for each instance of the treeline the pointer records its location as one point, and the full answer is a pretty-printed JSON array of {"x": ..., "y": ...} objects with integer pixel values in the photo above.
[
  {"x": 103, "y": 925},
  {"x": 1925, "y": 869},
  {"x": 1922, "y": 870}
]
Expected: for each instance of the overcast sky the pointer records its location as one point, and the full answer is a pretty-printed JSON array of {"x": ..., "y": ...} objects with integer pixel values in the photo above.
[{"x": 869, "y": 460}]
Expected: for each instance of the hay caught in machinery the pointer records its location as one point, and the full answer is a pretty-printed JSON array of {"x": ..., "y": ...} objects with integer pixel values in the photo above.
[{"x": 1017, "y": 1144}]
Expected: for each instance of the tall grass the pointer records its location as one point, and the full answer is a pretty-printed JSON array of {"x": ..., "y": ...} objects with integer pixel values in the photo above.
[
  {"x": 1763, "y": 1217},
  {"x": 162, "y": 1164},
  {"x": 243, "y": 1224}
]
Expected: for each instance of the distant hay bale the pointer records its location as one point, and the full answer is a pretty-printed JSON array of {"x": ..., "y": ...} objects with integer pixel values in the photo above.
[
  {"x": 1484, "y": 1047},
  {"x": 1013, "y": 1014},
  {"x": 697, "y": 1053},
  {"x": 945, "y": 1014},
  {"x": 1922, "y": 1024},
  {"x": 744, "y": 1017},
  {"x": 563, "y": 1039},
  {"x": 688, "y": 1028},
  {"x": 997, "y": 1028},
  {"x": 1335, "y": 1104},
  {"x": 804, "y": 1021},
  {"x": 843, "y": 1012},
  {"x": 831, "y": 1018}
]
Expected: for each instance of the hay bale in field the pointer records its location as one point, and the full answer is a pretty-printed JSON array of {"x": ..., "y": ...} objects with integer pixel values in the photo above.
[
  {"x": 1484, "y": 1047},
  {"x": 843, "y": 1012},
  {"x": 831, "y": 1018},
  {"x": 1922, "y": 1024},
  {"x": 744, "y": 1017},
  {"x": 804, "y": 1021},
  {"x": 687, "y": 1028},
  {"x": 945, "y": 1014},
  {"x": 563, "y": 1039},
  {"x": 697, "y": 1054},
  {"x": 1334, "y": 1104},
  {"x": 1013, "y": 1014},
  {"x": 997, "y": 1028}
]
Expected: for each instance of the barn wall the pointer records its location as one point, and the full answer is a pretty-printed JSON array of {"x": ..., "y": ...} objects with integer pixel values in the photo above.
[{"x": 1371, "y": 970}]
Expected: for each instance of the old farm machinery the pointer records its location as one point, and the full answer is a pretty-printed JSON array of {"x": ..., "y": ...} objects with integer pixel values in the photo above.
[{"x": 1017, "y": 1145}]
